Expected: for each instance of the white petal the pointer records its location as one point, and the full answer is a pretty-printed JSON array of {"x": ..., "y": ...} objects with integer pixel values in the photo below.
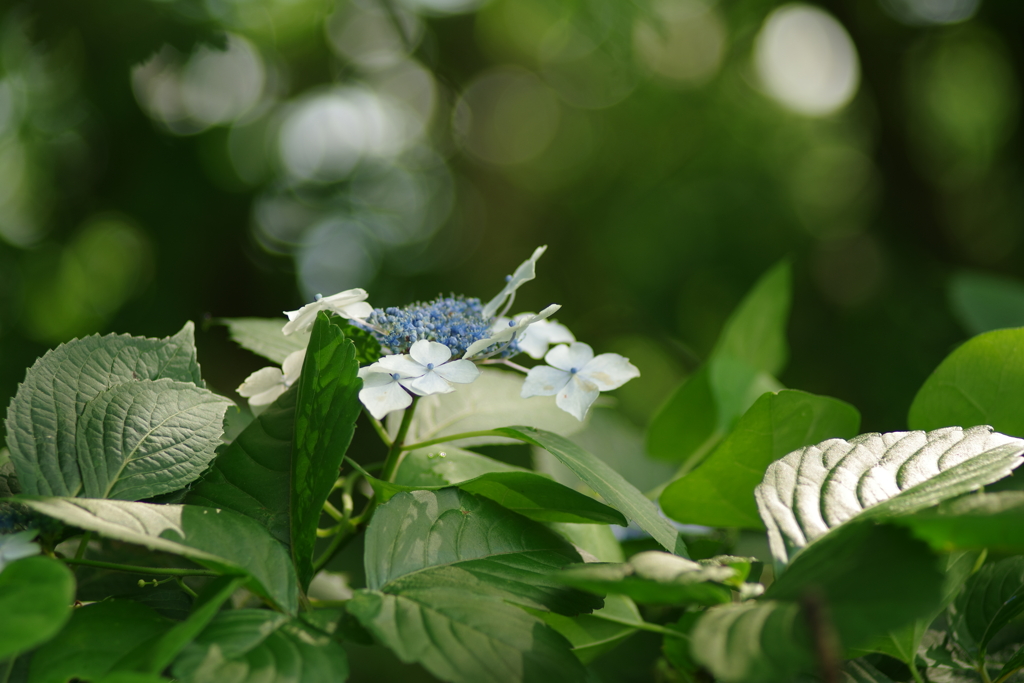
[
  {"x": 544, "y": 381},
  {"x": 18, "y": 545},
  {"x": 568, "y": 357},
  {"x": 357, "y": 311},
  {"x": 267, "y": 397},
  {"x": 427, "y": 352},
  {"x": 402, "y": 364},
  {"x": 381, "y": 394},
  {"x": 520, "y": 323},
  {"x": 526, "y": 271},
  {"x": 349, "y": 296},
  {"x": 535, "y": 339},
  {"x": 302, "y": 319},
  {"x": 609, "y": 371},
  {"x": 430, "y": 383},
  {"x": 577, "y": 397},
  {"x": 260, "y": 381},
  {"x": 458, "y": 371},
  {"x": 292, "y": 366}
]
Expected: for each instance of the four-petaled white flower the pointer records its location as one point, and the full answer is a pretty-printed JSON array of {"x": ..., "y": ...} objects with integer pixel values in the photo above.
[
  {"x": 511, "y": 328},
  {"x": 348, "y": 304},
  {"x": 576, "y": 376},
  {"x": 264, "y": 386},
  {"x": 16, "y": 546},
  {"x": 427, "y": 369},
  {"x": 526, "y": 271},
  {"x": 535, "y": 339}
]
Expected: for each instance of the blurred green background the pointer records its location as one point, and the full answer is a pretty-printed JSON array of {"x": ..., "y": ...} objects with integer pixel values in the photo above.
[{"x": 164, "y": 160}]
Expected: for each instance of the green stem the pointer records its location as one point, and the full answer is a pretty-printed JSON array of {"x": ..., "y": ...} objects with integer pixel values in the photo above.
[
  {"x": 336, "y": 546},
  {"x": 984, "y": 672},
  {"x": 379, "y": 428},
  {"x": 83, "y": 544},
  {"x": 141, "y": 570},
  {"x": 1005, "y": 677},
  {"x": 918, "y": 678},
  {"x": 454, "y": 437},
  {"x": 6, "y": 666},
  {"x": 185, "y": 587},
  {"x": 394, "y": 453}
]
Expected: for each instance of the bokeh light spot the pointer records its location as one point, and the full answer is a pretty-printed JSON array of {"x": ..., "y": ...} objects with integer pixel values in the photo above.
[
  {"x": 685, "y": 45},
  {"x": 806, "y": 60},
  {"x": 918, "y": 12}
]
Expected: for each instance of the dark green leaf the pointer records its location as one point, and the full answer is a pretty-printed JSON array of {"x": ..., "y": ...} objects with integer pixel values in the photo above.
[
  {"x": 592, "y": 635},
  {"x": 871, "y": 578},
  {"x": 425, "y": 539},
  {"x": 752, "y": 642},
  {"x": 812, "y": 490},
  {"x": 990, "y": 600},
  {"x": 983, "y": 302},
  {"x": 92, "y": 642},
  {"x": 327, "y": 405},
  {"x": 862, "y": 671},
  {"x": 1014, "y": 663},
  {"x": 35, "y": 600},
  {"x": 608, "y": 483},
  {"x": 144, "y": 439},
  {"x": 654, "y": 577},
  {"x": 720, "y": 492},
  {"x": 530, "y": 494},
  {"x": 42, "y": 420},
  {"x": 263, "y": 337},
  {"x": 465, "y": 637},
  {"x": 368, "y": 348},
  {"x": 220, "y": 539},
  {"x": 9, "y": 485},
  {"x": 981, "y": 383},
  {"x": 443, "y": 465},
  {"x": 751, "y": 348},
  {"x": 252, "y": 475},
  {"x": 250, "y": 646},
  {"x": 984, "y": 520}
]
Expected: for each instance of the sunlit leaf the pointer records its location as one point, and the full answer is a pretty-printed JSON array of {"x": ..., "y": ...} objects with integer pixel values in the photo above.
[
  {"x": 980, "y": 383},
  {"x": 993, "y": 521},
  {"x": 720, "y": 491}
]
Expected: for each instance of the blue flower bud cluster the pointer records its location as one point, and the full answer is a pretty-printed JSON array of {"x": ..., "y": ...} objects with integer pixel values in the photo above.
[{"x": 455, "y": 321}]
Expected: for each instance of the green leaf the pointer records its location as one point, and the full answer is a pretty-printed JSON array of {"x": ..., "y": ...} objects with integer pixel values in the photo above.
[
  {"x": 9, "y": 485},
  {"x": 427, "y": 539},
  {"x": 592, "y": 635},
  {"x": 530, "y": 494},
  {"x": 327, "y": 405},
  {"x": 263, "y": 337},
  {"x": 35, "y": 600},
  {"x": 42, "y": 420},
  {"x": 1014, "y": 663},
  {"x": 443, "y": 465},
  {"x": 862, "y": 671},
  {"x": 871, "y": 578},
  {"x": 654, "y": 577},
  {"x": 491, "y": 401},
  {"x": 991, "y": 598},
  {"x": 464, "y": 637},
  {"x": 752, "y": 642},
  {"x": 751, "y": 349},
  {"x": 252, "y": 476},
  {"x": 756, "y": 331},
  {"x": 993, "y": 521},
  {"x": 983, "y": 302},
  {"x": 92, "y": 642},
  {"x": 143, "y": 439},
  {"x": 608, "y": 483},
  {"x": 250, "y": 646},
  {"x": 720, "y": 492},
  {"x": 814, "y": 489},
  {"x": 222, "y": 540},
  {"x": 981, "y": 383}
]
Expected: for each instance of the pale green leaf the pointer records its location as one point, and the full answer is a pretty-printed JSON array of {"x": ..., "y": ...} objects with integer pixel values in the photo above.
[
  {"x": 263, "y": 337},
  {"x": 42, "y": 420}
]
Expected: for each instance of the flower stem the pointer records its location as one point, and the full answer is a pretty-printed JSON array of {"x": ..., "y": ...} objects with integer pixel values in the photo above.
[
  {"x": 159, "y": 571},
  {"x": 184, "y": 587},
  {"x": 395, "y": 452},
  {"x": 453, "y": 437},
  {"x": 378, "y": 427}
]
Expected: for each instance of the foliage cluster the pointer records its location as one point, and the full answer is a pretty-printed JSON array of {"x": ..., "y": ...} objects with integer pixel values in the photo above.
[{"x": 181, "y": 539}]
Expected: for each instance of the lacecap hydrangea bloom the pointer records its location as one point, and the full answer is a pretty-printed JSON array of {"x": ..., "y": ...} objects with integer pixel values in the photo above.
[{"x": 435, "y": 346}]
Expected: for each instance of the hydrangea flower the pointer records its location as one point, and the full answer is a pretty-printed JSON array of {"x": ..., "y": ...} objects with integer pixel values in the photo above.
[
  {"x": 526, "y": 271},
  {"x": 508, "y": 332},
  {"x": 577, "y": 377},
  {"x": 348, "y": 304},
  {"x": 264, "y": 386},
  {"x": 454, "y": 321},
  {"x": 538, "y": 336},
  {"x": 427, "y": 369},
  {"x": 16, "y": 546}
]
